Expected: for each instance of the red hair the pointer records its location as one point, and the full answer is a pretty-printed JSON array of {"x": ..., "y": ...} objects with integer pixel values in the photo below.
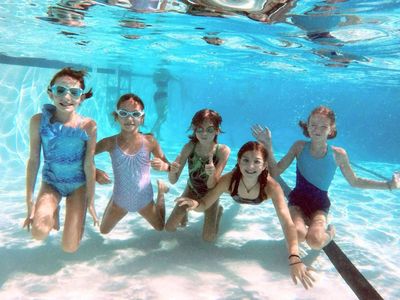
[
  {"x": 262, "y": 178},
  {"x": 324, "y": 111}
]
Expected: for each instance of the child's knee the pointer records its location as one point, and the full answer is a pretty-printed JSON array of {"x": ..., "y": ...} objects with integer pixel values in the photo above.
[
  {"x": 170, "y": 227},
  {"x": 41, "y": 227},
  {"x": 301, "y": 234},
  {"x": 70, "y": 247},
  {"x": 209, "y": 236},
  {"x": 315, "y": 240},
  {"x": 104, "y": 229},
  {"x": 159, "y": 227}
]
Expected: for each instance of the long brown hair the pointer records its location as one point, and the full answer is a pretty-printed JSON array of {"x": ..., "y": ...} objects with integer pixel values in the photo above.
[
  {"x": 324, "y": 111},
  {"x": 202, "y": 115},
  {"x": 262, "y": 178}
]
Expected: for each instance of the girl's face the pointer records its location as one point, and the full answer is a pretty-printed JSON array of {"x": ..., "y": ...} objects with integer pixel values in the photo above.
[
  {"x": 319, "y": 127},
  {"x": 251, "y": 164},
  {"x": 206, "y": 132},
  {"x": 66, "y": 93},
  {"x": 130, "y": 115}
]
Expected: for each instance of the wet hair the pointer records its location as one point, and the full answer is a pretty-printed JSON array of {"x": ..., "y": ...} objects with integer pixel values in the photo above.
[
  {"x": 262, "y": 178},
  {"x": 75, "y": 74},
  {"x": 127, "y": 97},
  {"x": 324, "y": 111},
  {"x": 200, "y": 117}
]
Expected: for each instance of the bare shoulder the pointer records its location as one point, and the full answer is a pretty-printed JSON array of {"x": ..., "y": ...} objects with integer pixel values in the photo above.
[
  {"x": 340, "y": 155},
  {"x": 150, "y": 141},
  {"x": 106, "y": 144},
  {"x": 225, "y": 181},
  {"x": 223, "y": 150},
  {"x": 89, "y": 126},
  {"x": 35, "y": 120},
  {"x": 187, "y": 148},
  {"x": 297, "y": 147}
]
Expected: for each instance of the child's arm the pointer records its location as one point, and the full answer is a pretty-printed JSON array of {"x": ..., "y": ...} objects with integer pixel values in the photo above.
[
  {"x": 297, "y": 269},
  {"x": 263, "y": 135},
  {"x": 32, "y": 166},
  {"x": 214, "y": 172},
  {"x": 159, "y": 162},
  {"x": 89, "y": 167},
  {"x": 104, "y": 145},
  {"x": 177, "y": 166},
  {"x": 343, "y": 162},
  {"x": 209, "y": 198}
]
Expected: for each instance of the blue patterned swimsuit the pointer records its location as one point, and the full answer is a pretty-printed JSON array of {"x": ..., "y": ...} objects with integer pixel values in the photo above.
[{"x": 64, "y": 152}]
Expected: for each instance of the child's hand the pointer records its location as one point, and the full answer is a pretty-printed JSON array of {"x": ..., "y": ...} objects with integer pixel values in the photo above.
[
  {"x": 299, "y": 272},
  {"x": 158, "y": 164},
  {"x": 191, "y": 204},
  {"x": 175, "y": 166},
  {"x": 395, "y": 183},
  {"x": 210, "y": 168},
  {"x": 93, "y": 213},
  {"x": 29, "y": 219},
  {"x": 102, "y": 177},
  {"x": 262, "y": 134}
]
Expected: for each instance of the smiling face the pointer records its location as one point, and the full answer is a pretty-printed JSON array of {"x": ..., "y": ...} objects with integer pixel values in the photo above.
[
  {"x": 66, "y": 93},
  {"x": 130, "y": 123},
  {"x": 251, "y": 164},
  {"x": 319, "y": 127},
  {"x": 205, "y": 132}
]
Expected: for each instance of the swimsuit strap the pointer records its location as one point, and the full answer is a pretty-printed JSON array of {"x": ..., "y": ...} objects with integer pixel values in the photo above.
[{"x": 119, "y": 148}]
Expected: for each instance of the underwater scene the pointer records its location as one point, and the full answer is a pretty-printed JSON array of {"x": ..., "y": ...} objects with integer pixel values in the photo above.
[{"x": 268, "y": 62}]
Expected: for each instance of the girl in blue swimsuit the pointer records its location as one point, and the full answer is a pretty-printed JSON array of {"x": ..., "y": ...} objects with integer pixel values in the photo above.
[
  {"x": 250, "y": 183},
  {"x": 68, "y": 141},
  {"x": 130, "y": 156},
  {"x": 316, "y": 165},
  {"x": 206, "y": 159}
]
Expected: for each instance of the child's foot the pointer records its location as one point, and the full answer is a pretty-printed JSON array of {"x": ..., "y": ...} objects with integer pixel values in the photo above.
[
  {"x": 56, "y": 219},
  {"x": 162, "y": 186}
]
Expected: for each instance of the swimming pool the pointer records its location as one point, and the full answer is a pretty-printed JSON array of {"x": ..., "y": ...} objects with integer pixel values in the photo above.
[{"x": 341, "y": 54}]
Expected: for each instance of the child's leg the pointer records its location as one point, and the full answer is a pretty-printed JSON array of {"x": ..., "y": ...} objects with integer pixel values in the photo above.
[
  {"x": 112, "y": 215},
  {"x": 298, "y": 220},
  {"x": 212, "y": 218},
  {"x": 155, "y": 213},
  {"x": 178, "y": 214},
  {"x": 318, "y": 236},
  {"x": 45, "y": 209},
  {"x": 75, "y": 215}
]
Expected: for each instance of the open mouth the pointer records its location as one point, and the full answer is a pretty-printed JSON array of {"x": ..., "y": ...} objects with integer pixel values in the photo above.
[
  {"x": 65, "y": 104},
  {"x": 250, "y": 172}
]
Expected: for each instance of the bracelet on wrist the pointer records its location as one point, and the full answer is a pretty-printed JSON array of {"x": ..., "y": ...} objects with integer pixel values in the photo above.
[
  {"x": 296, "y": 263},
  {"x": 388, "y": 185},
  {"x": 294, "y": 255}
]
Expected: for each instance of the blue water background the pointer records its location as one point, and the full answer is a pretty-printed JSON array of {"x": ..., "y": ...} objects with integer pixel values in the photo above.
[{"x": 246, "y": 86}]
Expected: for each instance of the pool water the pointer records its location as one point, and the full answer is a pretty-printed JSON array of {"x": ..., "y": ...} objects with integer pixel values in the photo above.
[{"x": 343, "y": 54}]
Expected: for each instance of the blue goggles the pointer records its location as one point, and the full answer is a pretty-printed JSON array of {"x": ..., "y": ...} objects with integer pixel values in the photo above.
[
  {"x": 60, "y": 90},
  {"x": 134, "y": 114}
]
